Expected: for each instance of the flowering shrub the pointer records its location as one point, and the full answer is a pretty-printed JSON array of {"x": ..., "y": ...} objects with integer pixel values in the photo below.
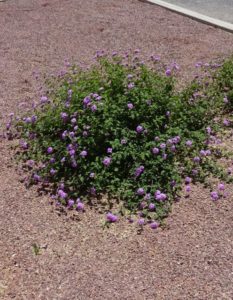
[
  {"x": 224, "y": 82},
  {"x": 120, "y": 129}
]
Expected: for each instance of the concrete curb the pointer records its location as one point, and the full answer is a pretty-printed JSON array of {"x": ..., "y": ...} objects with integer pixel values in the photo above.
[{"x": 194, "y": 15}]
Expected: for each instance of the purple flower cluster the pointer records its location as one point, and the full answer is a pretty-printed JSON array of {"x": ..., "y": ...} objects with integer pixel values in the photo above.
[
  {"x": 62, "y": 194},
  {"x": 140, "y": 192},
  {"x": 139, "y": 129},
  {"x": 83, "y": 154},
  {"x": 139, "y": 171},
  {"x": 107, "y": 161},
  {"x": 155, "y": 150},
  {"x": 111, "y": 218},
  {"x": 160, "y": 196},
  {"x": 130, "y": 106},
  {"x": 50, "y": 150}
]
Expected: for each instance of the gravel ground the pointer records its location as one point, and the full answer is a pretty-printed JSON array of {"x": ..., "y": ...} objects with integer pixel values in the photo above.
[{"x": 192, "y": 257}]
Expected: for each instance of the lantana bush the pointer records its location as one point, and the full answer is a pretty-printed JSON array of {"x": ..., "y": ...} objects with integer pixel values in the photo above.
[{"x": 119, "y": 129}]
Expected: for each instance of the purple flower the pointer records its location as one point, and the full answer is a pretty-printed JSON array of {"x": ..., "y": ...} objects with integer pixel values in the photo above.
[
  {"x": 162, "y": 146},
  {"x": 64, "y": 116},
  {"x": 221, "y": 187},
  {"x": 53, "y": 172},
  {"x": 169, "y": 142},
  {"x": 36, "y": 177},
  {"x": 62, "y": 194},
  {"x": 154, "y": 225},
  {"x": 151, "y": 206},
  {"x": 28, "y": 120},
  {"x": 85, "y": 133},
  {"x": 139, "y": 129},
  {"x": 214, "y": 196},
  {"x": 63, "y": 159},
  {"x": 141, "y": 222},
  {"x": 173, "y": 183},
  {"x": 93, "y": 191},
  {"x": 130, "y": 219},
  {"x": 168, "y": 72},
  {"x": 155, "y": 150},
  {"x": 64, "y": 134},
  {"x": 188, "y": 188},
  {"x": 43, "y": 99},
  {"x": 86, "y": 101},
  {"x": 139, "y": 171},
  {"x": 160, "y": 196},
  {"x": 74, "y": 163},
  {"x": 31, "y": 163},
  {"x": 111, "y": 217},
  {"x": 168, "y": 113},
  {"x": 176, "y": 139},
  {"x": 189, "y": 143},
  {"x": 208, "y": 130},
  {"x": 140, "y": 191},
  {"x": 50, "y": 150},
  {"x": 8, "y": 125},
  {"x": 62, "y": 186},
  {"x": 147, "y": 197},
  {"x": 107, "y": 161},
  {"x": 83, "y": 154},
  {"x": 73, "y": 121},
  {"x": 188, "y": 180},
  {"x": 203, "y": 153},
  {"x": 34, "y": 119},
  {"x": 175, "y": 66},
  {"x": 173, "y": 148},
  {"x": 194, "y": 172},
  {"x": 93, "y": 108},
  {"x": 130, "y": 106},
  {"x": 158, "y": 192},
  {"x": 72, "y": 134},
  {"x": 95, "y": 95},
  {"x": 130, "y": 85},
  {"x": 208, "y": 152},
  {"x": 70, "y": 203},
  {"x": 226, "y": 122},
  {"x": 123, "y": 142},
  {"x": 24, "y": 145},
  {"x": 80, "y": 206},
  {"x": 92, "y": 175},
  {"x": 198, "y": 64},
  {"x": 142, "y": 205},
  {"x": 164, "y": 156},
  {"x": 109, "y": 150},
  {"x": 72, "y": 152},
  {"x": 196, "y": 159}
]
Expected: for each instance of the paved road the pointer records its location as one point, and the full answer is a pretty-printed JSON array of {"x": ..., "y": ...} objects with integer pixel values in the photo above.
[{"x": 219, "y": 9}]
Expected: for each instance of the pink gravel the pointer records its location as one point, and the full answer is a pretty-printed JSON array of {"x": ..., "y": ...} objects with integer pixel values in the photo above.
[{"x": 193, "y": 257}]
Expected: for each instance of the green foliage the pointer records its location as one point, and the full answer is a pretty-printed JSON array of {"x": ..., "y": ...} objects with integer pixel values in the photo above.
[{"x": 131, "y": 109}]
